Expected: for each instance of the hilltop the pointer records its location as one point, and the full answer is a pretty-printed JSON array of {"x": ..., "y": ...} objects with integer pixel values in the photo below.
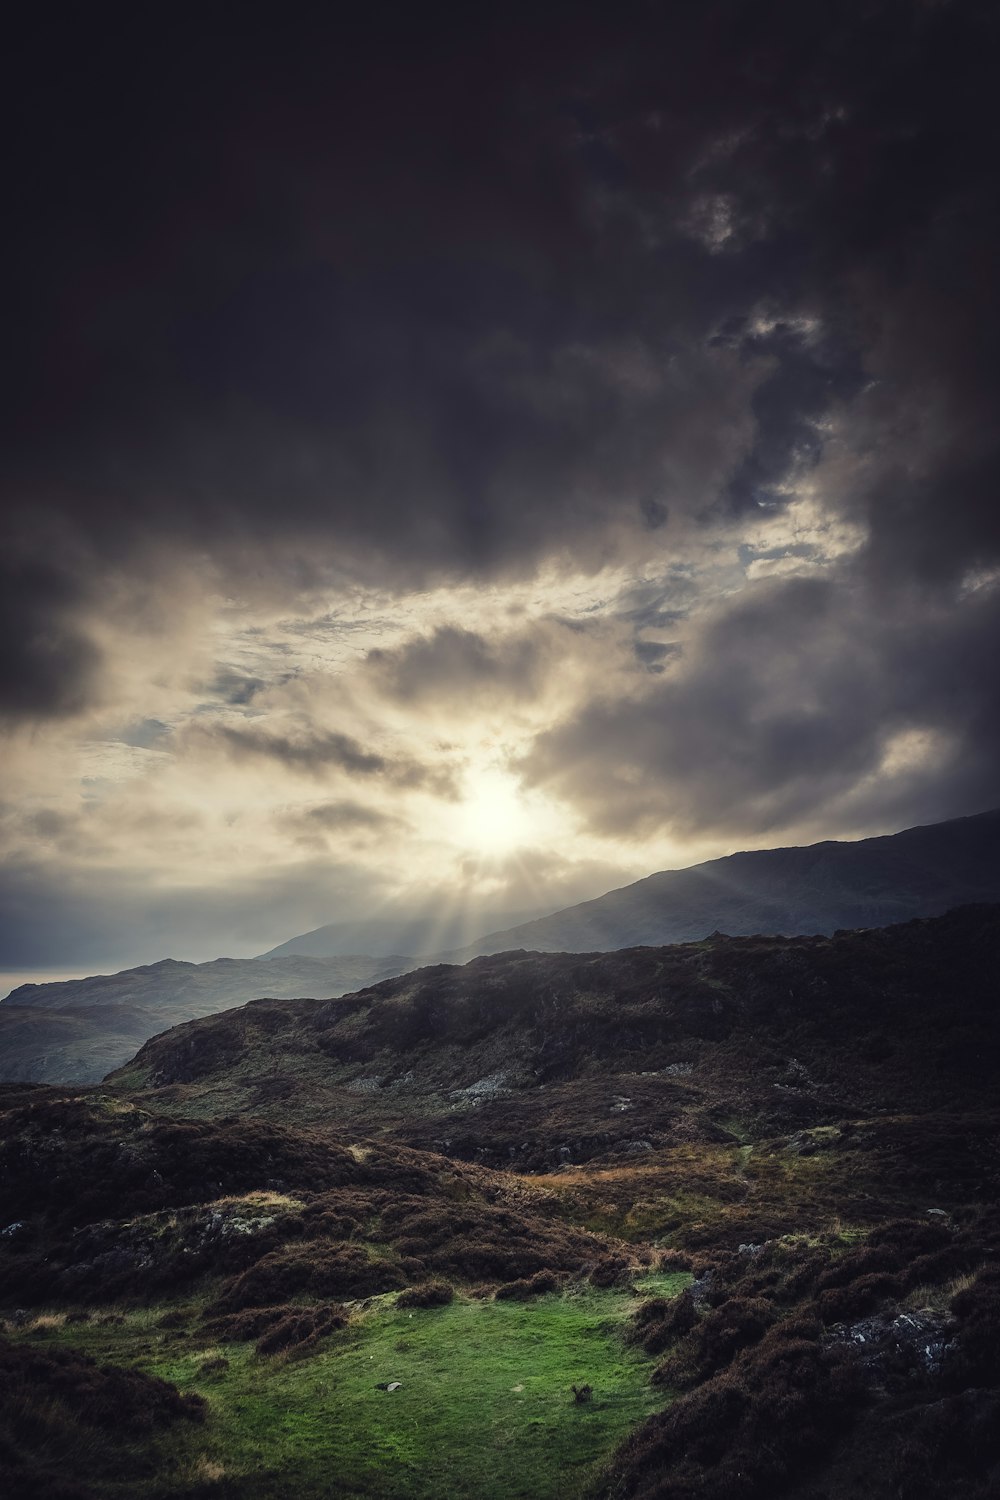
[
  {"x": 424, "y": 933},
  {"x": 920, "y": 872}
]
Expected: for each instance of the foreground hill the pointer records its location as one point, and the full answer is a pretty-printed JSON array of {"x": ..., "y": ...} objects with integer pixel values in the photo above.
[
  {"x": 921, "y": 872},
  {"x": 710, "y": 1222},
  {"x": 532, "y": 1060},
  {"x": 76, "y": 1030}
]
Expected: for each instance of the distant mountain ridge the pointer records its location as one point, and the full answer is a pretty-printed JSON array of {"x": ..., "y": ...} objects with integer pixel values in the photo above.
[
  {"x": 816, "y": 888},
  {"x": 77, "y": 1030},
  {"x": 423, "y": 936}
]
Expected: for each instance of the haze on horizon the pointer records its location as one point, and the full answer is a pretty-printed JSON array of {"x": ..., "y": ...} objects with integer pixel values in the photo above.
[{"x": 469, "y": 462}]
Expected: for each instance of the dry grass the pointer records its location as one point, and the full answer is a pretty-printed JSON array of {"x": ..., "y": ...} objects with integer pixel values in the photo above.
[
  {"x": 207, "y": 1471},
  {"x": 47, "y": 1323}
]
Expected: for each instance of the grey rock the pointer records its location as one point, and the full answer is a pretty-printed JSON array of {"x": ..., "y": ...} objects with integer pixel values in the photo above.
[{"x": 894, "y": 1349}]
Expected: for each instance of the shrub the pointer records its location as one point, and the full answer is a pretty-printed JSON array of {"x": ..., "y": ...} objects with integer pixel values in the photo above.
[
  {"x": 977, "y": 1356},
  {"x": 320, "y": 1270},
  {"x": 674, "y": 1260},
  {"x": 842, "y": 1304},
  {"x": 611, "y": 1270},
  {"x": 662, "y": 1320},
  {"x": 100, "y": 1396},
  {"x": 533, "y": 1286},
  {"x": 175, "y": 1319},
  {"x": 288, "y": 1326},
  {"x": 862, "y": 1263},
  {"x": 430, "y": 1294}
]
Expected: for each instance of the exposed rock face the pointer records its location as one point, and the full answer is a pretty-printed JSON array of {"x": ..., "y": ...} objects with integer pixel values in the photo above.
[{"x": 894, "y": 1346}]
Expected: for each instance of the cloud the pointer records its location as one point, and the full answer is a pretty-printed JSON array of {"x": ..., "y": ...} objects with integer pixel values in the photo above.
[
  {"x": 49, "y": 666},
  {"x": 451, "y": 665},
  {"x": 782, "y": 714},
  {"x": 315, "y": 752},
  {"x": 328, "y": 824},
  {"x": 442, "y": 359},
  {"x": 335, "y": 816},
  {"x": 237, "y": 688},
  {"x": 476, "y": 324},
  {"x": 613, "y": 390},
  {"x": 103, "y": 920}
]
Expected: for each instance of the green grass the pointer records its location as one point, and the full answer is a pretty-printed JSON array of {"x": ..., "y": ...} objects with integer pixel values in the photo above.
[
  {"x": 662, "y": 1283},
  {"x": 484, "y": 1409}
]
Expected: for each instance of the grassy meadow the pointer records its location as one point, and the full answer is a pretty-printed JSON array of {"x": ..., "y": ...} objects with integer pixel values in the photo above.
[{"x": 484, "y": 1404}]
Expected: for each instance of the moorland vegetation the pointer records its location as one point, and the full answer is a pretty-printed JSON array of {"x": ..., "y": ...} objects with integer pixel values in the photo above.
[{"x": 711, "y": 1222}]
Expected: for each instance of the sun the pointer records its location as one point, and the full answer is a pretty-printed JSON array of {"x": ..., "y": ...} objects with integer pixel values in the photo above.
[{"x": 494, "y": 816}]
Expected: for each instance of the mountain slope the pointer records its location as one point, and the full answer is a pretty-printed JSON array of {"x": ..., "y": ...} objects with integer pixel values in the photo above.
[
  {"x": 42, "y": 1043},
  {"x": 423, "y": 934},
  {"x": 76, "y": 1030},
  {"x": 532, "y": 1060},
  {"x": 920, "y": 872}
]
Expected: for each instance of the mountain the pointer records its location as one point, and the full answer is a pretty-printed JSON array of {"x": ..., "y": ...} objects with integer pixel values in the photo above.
[
  {"x": 536, "y": 1059},
  {"x": 716, "y": 1220},
  {"x": 428, "y": 933},
  {"x": 77, "y": 1030},
  {"x": 921, "y": 872},
  {"x": 869, "y": 883}
]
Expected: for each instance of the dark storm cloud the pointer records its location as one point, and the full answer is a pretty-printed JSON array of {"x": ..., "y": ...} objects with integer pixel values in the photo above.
[
  {"x": 437, "y": 292},
  {"x": 806, "y": 376},
  {"x": 49, "y": 667},
  {"x": 783, "y": 712},
  {"x": 371, "y": 282}
]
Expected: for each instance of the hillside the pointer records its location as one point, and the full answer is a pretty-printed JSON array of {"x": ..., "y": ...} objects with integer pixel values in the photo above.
[
  {"x": 77, "y": 1030},
  {"x": 536, "y": 1061},
  {"x": 422, "y": 933},
  {"x": 920, "y": 872},
  {"x": 715, "y": 1220},
  {"x": 78, "y": 1045}
]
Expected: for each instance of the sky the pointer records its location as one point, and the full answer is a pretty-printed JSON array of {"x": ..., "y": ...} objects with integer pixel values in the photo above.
[{"x": 462, "y": 459}]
